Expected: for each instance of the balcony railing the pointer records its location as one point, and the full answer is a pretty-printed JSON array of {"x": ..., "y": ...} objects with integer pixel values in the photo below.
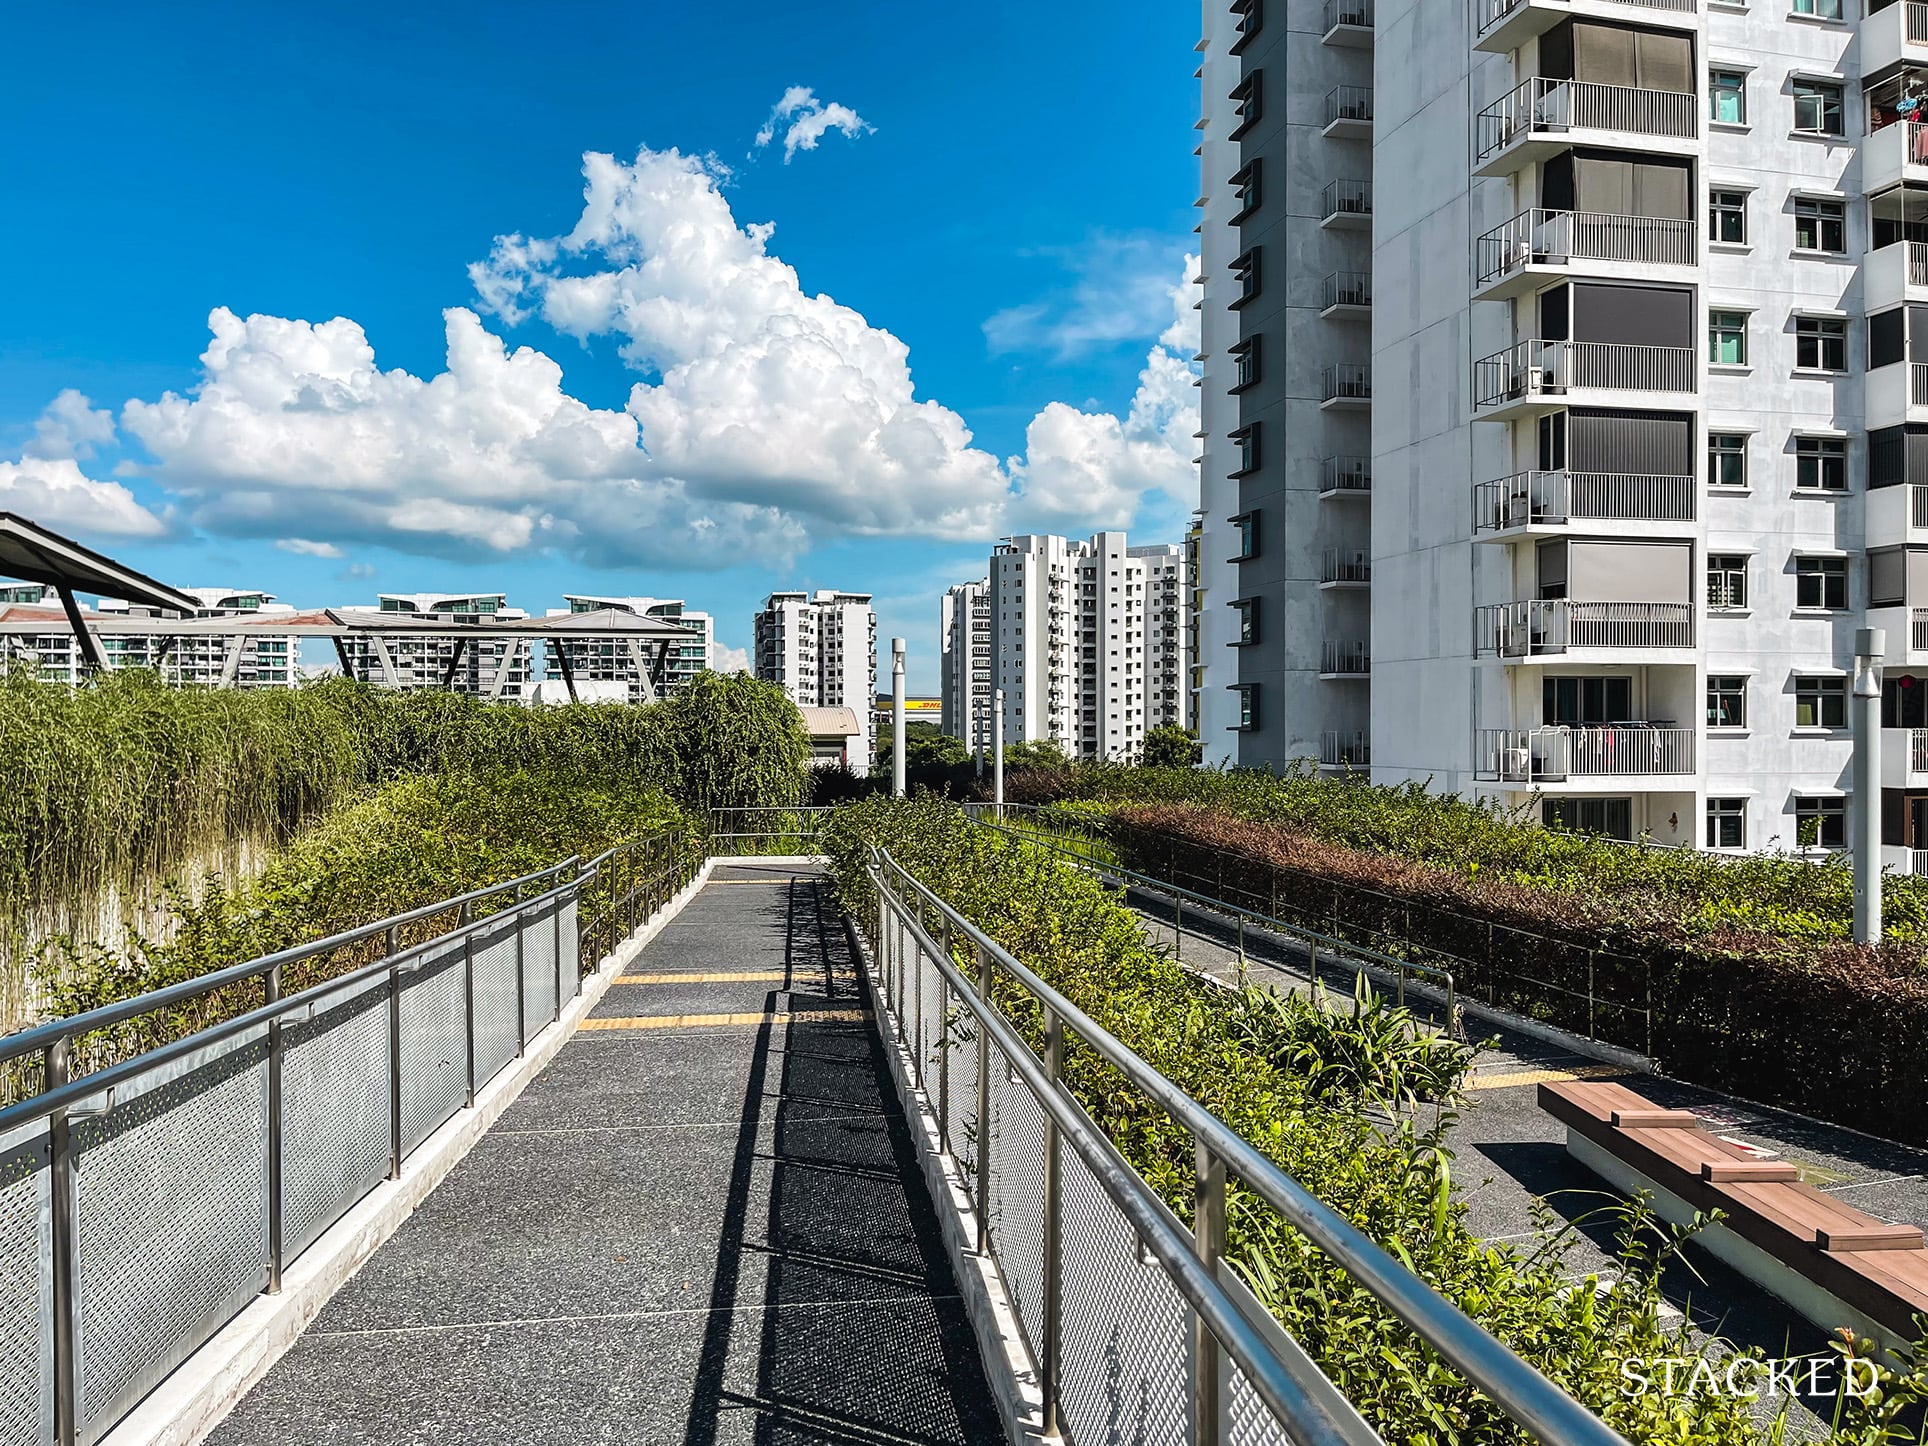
[
  {"x": 1347, "y": 198},
  {"x": 1348, "y": 288},
  {"x": 1555, "y": 238},
  {"x": 1609, "y": 750},
  {"x": 1529, "y": 499},
  {"x": 1917, "y": 384},
  {"x": 1346, "y": 564},
  {"x": 1348, "y": 382},
  {"x": 1347, "y": 12},
  {"x": 1917, "y": 22},
  {"x": 1349, "y": 103},
  {"x": 1918, "y": 250},
  {"x": 1537, "y": 368},
  {"x": 1537, "y": 627},
  {"x": 1345, "y": 658},
  {"x": 1541, "y": 104},
  {"x": 1492, "y": 12},
  {"x": 1918, "y": 630},
  {"x": 1345, "y": 748},
  {"x": 1346, "y": 474}
]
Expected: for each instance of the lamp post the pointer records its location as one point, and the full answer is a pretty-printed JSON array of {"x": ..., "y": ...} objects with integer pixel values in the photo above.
[
  {"x": 997, "y": 752},
  {"x": 1869, "y": 646},
  {"x": 897, "y": 740}
]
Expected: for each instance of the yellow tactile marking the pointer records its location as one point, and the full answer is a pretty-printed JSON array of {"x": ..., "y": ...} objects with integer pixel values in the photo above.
[
  {"x": 698, "y": 1021},
  {"x": 744, "y": 976},
  {"x": 1541, "y": 1076}
]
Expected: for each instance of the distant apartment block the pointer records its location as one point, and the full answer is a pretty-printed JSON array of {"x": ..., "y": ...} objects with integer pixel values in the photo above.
[
  {"x": 966, "y": 660},
  {"x": 821, "y": 648},
  {"x": 482, "y": 667},
  {"x": 627, "y": 661},
  {"x": 212, "y": 659}
]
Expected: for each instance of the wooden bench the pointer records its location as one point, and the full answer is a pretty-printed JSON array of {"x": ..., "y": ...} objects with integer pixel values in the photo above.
[{"x": 1835, "y": 1264}]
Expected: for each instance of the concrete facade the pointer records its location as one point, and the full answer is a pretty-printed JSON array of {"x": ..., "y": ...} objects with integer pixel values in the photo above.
[
  {"x": 821, "y": 648},
  {"x": 609, "y": 661},
  {"x": 493, "y": 668},
  {"x": 250, "y": 661},
  {"x": 965, "y": 663}
]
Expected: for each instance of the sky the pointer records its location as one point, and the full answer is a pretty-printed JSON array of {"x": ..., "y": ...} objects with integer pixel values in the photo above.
[{"x": 675, "y": 300}]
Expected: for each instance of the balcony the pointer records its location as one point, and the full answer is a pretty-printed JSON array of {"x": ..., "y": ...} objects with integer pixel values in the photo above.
[
  {"x": 1345, "y": 658},
  {"x": 1543, "y": 117},
  {"x": 1346, "y": 477},
  {"x": 1346, "y": 387},
  {"x": 1896, "y": 394},
  {"x": 1348, "y": 296},
  {"x": 1538, "y": 247},
  {"x": 1345, "y": 748},
  {"x": 1348, "y": 113},
  {"x": 1895, "y": 274},
  {"x": 1894, "y": 34},
  {"x": 1348, "y": 23},
  {"x": 1904, "y": 757},
  {"x": 1346, "y": 205},
  {"x": 1897, "y": 516},
  {"x": 1544, "y": 628},
  {"x": 1345, "y": 567},
  {"x": 1534, "y": 377},
  {"x": 1894, "y": 154},
  {"x": 1546, "y": 504},
  {"x": 1907, "y": 630},
  {"x": 1503, "y": 25},
  {"x": 1562, "y": 754}
]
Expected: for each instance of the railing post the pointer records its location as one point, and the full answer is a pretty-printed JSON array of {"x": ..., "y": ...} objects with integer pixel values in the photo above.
[
  {"x": 555, "y": 918},
  {"x": 271, "y": 987},
  {"x": 394, "y": 1060},
  {"x": 57, "y": 1070},
  {"x": 521, "y": 984},
  {"x": 1051, "y": 1350},
  {"x": 468, "y": 1005},
  {"x": 1208, "y": 1239},
  {"x": 983, "y": 1190}
]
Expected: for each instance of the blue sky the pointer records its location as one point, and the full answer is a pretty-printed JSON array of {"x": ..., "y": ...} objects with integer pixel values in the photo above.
[{"x": 1005, "y": 190}]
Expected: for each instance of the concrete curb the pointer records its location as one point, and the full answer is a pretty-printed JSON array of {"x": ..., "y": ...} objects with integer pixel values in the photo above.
[
  {"x": 190, "y": 1403},
  {"x": 1007, "y": 1364}
]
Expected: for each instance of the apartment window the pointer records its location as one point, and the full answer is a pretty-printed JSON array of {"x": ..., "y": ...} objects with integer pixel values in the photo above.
[
  {"x": 1727, "y": 338},
  {"x": 1819, "y": 9},
  {"x": 1726, "y": 701},
  {"x": 1726, "y": 459},
  {"x": 1727, "y": 96},
  {"x": 1246, "y": 528},
  {"x": 1245, "y": 105},
  {"x": 1821, "y": 464},
  {"x": 1820, "y": 343},
  {"x": 1251, "y": 16},
  {"x": 1245, "y": 185},
  {"x": 1821, "y": 822},
  {"x": 1727, "y": 217},
  {"x": 1821, "y": 582},
  {"x": 1726, "y": 823},
  {"x": 1248, "y": 706},
  {"x": 1245, "y": 271},
  {"x": 1817, "y": 103},
  {"x": 1820, "y": 702},
  {"x": 1608, "y": 817},
  {"x": 1727, "y": 581},
  {"x": 1820, "y": 225},
  {"x": 1246, "y": 439},
  {"x": 1247, "y": 609},
  {"x": 1245, "y": 357}
]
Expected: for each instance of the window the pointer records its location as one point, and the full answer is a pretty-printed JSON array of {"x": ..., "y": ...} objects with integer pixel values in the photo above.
[
  {"x": 1245, "y": 271},
  {"x": 1246, "y": 439},
  {"x": 1245, "y": 104},
  {"x": 1726, "y": 459},
  {"x": 1727, "y": 217},
  {"x": 1727, "y": 338},
  {"x": 1585, "y": 702},
  {"x": 1247, "y": 609},
  {"x": 1726, "y": 823},
  {"x": 1726, "y": 701},
  {"x": 1727, "y": 581},
  {"x": 1819, "y": 9},
  {"x": 1821, "y": 464},
  {"x": 1248, "y": 706},
  {"x": 1817, "y": 103},
  {"x": 1820, "y": 343},
  {"x": 1608, "y": 817},
  {"x": 1245, "y": 184},
  {"x": 1251, "y": 16},
  {"x": 1727, "y": 96},
  {"x": 1820, "y": 225},
  {"x": 1821, "y": 582},
  {"x": 1246, "y": 529},
  {"x": 1820, "y": 702},
  {"x": 1821, "y": 823},
  {"x": 1245, "y": 357}
]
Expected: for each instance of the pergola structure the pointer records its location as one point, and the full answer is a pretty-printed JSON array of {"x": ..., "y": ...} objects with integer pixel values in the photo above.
[{"x": 31, "y": 553}]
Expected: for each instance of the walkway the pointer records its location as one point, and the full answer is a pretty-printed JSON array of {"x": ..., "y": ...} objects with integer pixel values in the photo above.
[{"x": 702, "y": 1223}]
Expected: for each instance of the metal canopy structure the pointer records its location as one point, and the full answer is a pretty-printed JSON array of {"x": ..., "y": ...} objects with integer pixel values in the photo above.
[{"x": 31, "y": 553}]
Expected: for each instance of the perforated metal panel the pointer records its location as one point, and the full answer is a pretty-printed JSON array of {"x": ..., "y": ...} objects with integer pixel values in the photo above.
[
  {"x": 495, "y": 1005},
  {"x": 1251, "y": 1422},
  {"x": 962, "y": 1125},
  {"x": 26, "y": 1297},
  {"x": 334, "y": 1112},
  {"x": 171, "y": 1224},
  {"x": 930, "y": 1022},
  {"x": 571, "y": 950},
  {"x": 435, "y": 1065},
  {"x": 1017, "y": 1193},
  {"x": 538, "y": 969},
  {"x": 1126, "y": 1330}
]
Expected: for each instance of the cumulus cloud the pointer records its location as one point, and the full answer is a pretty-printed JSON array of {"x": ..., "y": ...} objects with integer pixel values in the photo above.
[
  {"x": 55, "y": 493},
  {"x": 1120, "y": 290},
  {"x": 729, "y": 660},
  {"x": 71, "y": 427},
  {"x": 306, "y": 547},
  {"x": 805, "y": 120}
]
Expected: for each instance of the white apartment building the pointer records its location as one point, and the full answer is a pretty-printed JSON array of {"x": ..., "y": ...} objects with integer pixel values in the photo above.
[
  {"x": 611, "y": 660},
  {"x": 250, "y": 660},
  {"x": 821, "y": 649},
  {"x": 481, "y": 666},
  {"x": 1091, "y": 641},
  {"x": 966, "y": 662},
  {"x": 1610, "y": 375}
]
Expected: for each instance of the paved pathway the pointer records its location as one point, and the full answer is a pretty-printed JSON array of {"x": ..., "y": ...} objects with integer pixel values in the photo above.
[{"x": 702, "y": 1223}]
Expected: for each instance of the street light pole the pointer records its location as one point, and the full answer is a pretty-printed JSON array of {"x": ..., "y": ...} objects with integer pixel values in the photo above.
[
  {"x": 1870, "y": 644},
  {"x": 997, "y": 752},
  {"x": 898, "y": 746}
]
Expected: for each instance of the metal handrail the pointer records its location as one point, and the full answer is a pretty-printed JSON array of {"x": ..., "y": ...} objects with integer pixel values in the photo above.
[{"x": 1532, "y": 1400}]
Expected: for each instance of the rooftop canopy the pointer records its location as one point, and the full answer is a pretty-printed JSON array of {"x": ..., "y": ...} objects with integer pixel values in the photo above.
[{"x": 31, "y": 553}]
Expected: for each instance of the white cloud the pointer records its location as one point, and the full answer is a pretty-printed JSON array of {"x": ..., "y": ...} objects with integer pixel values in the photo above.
[
  {"x": 55, "y": 493},
  {"x": 809, "y": 120},
  {"x": 304, "y": 547},
  {"x": 729, "y": 660},
  {"x": 71, "y": 427},
  {"x": 1121, "y": 290}
]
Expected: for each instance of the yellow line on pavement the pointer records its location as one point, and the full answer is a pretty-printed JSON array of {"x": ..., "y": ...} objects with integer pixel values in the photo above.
[
  {"x": 743, "y": 976},
  {"x": 1540, "y": 1076},
  {"x": 699, "y": 1021}
]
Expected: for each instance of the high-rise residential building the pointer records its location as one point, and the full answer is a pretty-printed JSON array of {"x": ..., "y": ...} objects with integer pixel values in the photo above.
[
  {"x": 483, "y": 667},
  {"x": 255, "y": 659},
  {"x": 967, "y": 657},
  {"x": 1090, "y": 641},
  {"x": 627, "y": 661},
  {"x": 1570, "y": 456},
  {"x": 821, "y": 648}
]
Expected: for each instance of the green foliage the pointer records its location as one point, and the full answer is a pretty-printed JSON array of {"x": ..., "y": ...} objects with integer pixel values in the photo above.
[
  {"x": 1394, "y": 1180},
  {"x": 1036, "y": 755},
  {"x": 924, "y": 748},
  {"x": 1169, "y": 746}
]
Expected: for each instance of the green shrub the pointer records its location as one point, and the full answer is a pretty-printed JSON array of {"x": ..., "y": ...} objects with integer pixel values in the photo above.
[{"x": 1170, "y": 746}]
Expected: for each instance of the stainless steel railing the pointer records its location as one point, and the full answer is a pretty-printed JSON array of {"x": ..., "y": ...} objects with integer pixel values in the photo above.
[
  {"x": 1348, "y": 288},
  {"x": 1533, "y": 627},
  {"x": 1554, "y": 498},
  {"x": 1181, "y": 1351},
  {"x": 1347, "y": 381},
  {"x": 738, "y": 832},
  {"x": 1551, "y": 754},
  {"x": 1536, "y": 368},
  {"x": 1348, "y": 12},
  {"x": 1347, "y": 198},
  {"x": 1345, "y": 658},
  {"x": 1541, "y": 104},
  {"x": 1554, "y": 238},
  {"x": 1349, "y": 103},
  {"x": 1345, "y": 564},
  {"x": 1346, "y": 474},
  {"x": 1342, "y": 748}
]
